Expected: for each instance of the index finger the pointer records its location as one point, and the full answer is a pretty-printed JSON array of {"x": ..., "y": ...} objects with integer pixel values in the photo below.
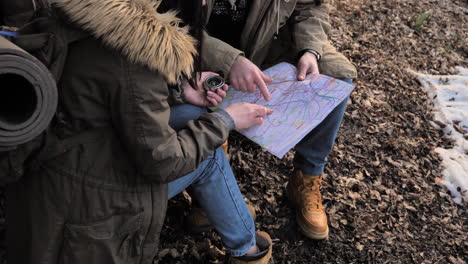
[{"x": 263, "y": 88}]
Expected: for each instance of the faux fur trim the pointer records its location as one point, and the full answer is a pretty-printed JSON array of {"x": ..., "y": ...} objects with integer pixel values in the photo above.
[{"x": 136, "y": 29}]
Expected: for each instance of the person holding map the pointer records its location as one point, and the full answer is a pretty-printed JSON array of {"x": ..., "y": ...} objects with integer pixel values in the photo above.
[
  {"x": 245, "y": 36},
  {"x": 98, "y": 190}
]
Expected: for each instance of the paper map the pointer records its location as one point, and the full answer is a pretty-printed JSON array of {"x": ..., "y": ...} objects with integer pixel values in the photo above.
[{"x": 299, "y": 106}]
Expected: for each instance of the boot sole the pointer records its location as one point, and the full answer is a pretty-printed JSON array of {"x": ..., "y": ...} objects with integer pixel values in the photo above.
[
  {"x": 302, "y": 226},
  {"x": 309, "y": 233}
]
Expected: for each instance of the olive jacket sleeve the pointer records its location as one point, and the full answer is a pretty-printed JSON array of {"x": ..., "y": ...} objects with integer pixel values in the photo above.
[
  {"x": 217, "y": 55},
  {"x": 310, "y": 26},
  {"x": 141, "y": 113}
]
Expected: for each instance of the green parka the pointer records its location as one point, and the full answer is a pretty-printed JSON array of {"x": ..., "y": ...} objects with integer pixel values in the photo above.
[
  {"x": 299, "y": 24},
  {"x": 99, "y": 192}
]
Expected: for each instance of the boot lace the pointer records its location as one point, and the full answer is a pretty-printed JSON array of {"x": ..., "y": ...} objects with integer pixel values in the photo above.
[{"x": 312, "y": 196}]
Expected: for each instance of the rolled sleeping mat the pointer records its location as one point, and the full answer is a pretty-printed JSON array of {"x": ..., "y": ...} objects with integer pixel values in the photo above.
[{"x": 28, "y": 95}]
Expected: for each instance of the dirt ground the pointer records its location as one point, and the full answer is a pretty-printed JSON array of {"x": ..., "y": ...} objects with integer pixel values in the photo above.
[
  {"x": 382, "y": 196},
  {"x": 381, "y": 192}
]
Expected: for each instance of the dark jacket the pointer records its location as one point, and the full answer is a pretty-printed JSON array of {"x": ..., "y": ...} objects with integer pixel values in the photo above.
[
  {"x": 16, "y": 13},
  {"x": 103, "y": 199},
  {"x": 298, "y": 24}
]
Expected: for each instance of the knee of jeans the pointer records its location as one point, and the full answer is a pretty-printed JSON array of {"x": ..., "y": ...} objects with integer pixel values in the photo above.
[
  {"x": 193, "y": 110},
  {"x": 188, "y": 110},
  {"x": 222, "y": 157},
  {"x": 218, "y": 163},
  {"x": 182, "y": 114},
  {"x": 213, "y": 167}
]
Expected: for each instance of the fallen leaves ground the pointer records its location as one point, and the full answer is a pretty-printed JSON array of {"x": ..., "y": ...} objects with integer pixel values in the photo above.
[{"x": 382, "y": 195}]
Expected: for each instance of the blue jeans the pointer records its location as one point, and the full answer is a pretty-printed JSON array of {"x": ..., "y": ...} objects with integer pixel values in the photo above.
[
  {"x": 313, "y": 150},
  {"x": 215, "y": 188},
  {"x": 183, "y": 113}
]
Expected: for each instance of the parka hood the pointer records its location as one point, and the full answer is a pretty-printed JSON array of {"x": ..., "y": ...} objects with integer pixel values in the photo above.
[{"x": 135, "y": 27}]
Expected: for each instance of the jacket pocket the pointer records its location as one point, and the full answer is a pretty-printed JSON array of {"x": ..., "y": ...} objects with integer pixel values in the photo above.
[{"x": 116, "y": 239}]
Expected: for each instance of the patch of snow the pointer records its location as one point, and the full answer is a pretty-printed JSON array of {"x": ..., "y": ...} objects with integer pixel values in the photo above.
[{"x": 450, "y": 96}]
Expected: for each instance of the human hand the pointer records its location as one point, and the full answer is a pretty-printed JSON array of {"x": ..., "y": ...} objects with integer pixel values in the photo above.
[
  {"x": 307, "y": 64},
  {"x": 246, "y": 115},
  {"x": 198, "y": 96},
  {"x": 246, "y": 76}
]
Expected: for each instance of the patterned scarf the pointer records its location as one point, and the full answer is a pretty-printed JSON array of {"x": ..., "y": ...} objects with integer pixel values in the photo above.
[{"x": 236, "y": 9}]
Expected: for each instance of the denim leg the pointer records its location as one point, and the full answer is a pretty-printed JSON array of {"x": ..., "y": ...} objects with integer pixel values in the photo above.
[
  {"x": 216, "y": 189},
  {"x": 183, "y": 113},
  {"x": 313, "y": 150}
]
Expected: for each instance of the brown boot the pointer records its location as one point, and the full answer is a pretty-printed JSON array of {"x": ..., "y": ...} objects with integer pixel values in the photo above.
[
  {"x": 225, "y": 147},
  {"x": 264, "y": 245},
  {"x": 197, "y": 221},
  {"x": 304, "y": 192}
]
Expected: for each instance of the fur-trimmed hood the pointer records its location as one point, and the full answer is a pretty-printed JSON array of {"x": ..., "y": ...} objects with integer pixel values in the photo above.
[{"x": 136, "y": 29}]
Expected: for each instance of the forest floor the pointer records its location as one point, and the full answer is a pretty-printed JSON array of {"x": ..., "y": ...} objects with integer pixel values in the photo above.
[{"x": 381, "y": 193}]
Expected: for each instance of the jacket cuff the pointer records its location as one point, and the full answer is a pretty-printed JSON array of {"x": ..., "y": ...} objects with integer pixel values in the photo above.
[
  {"x": 315, "y": 46},
  {"x": 229, "y": 59},
  {"x": 218, "y": 56},
  {"x": 227, "y": 119},
  {"x": 317, "y": 55}
]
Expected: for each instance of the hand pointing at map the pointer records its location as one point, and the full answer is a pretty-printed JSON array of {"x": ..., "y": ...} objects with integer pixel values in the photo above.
[
  {"x": 246, "y": 115},
  {"x": 246, "y": 76}
]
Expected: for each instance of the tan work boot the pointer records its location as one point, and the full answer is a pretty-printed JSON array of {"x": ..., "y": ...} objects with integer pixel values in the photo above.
[
  {"x": 225, "y": 146},
  {"x": 264, "y": 245},
  {"x": 197, "y": 221},
  {"x": 304, "y": 192}
]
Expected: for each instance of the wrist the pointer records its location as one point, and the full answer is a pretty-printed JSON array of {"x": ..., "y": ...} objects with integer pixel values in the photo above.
[{"x": 314, "y": 52}]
